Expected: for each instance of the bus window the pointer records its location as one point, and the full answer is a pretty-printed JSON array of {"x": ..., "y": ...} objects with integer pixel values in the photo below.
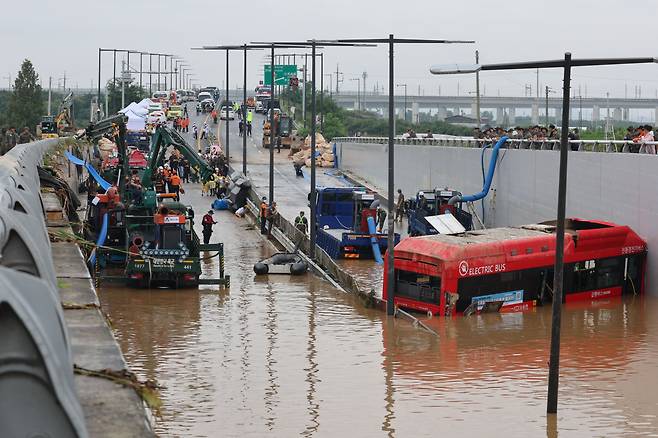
[
  {"x": 525, "y": 285},
  {"x": 420, "y": 287},
  {"x": 597, "y": 274}
]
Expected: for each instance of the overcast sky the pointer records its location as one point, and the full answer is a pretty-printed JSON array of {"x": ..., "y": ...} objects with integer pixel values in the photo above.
[{"x": 64, "y": 36}]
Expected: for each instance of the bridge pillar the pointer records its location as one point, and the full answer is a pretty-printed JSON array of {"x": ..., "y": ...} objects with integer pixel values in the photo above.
[
  {"x": 626, "y": 114},
  {"x": 443, "y": 113},
  {"x": 500, "y": 115},
  {"x": 655, "y": 120},
  {"x": 535, "y": 114},
  {"x": 415, "y": 113},
  {"x": 356, "y": 105},
  {"x": 512, "y": 116},
  {"x": 596, "y": 114},
  {"x": 616, "y": 114},
  {"x": 474, "y": 111}
]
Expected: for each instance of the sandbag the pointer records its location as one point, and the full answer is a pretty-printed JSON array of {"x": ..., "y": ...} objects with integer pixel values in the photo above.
[{"x": 328, "y": 156}]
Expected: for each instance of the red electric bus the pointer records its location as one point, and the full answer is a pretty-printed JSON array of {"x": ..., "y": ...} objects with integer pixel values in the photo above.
[{"x": 447, "y": 274}]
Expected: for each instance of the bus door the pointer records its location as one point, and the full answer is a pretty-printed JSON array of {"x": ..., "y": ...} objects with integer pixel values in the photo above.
[{"x": 633, "y": 265}]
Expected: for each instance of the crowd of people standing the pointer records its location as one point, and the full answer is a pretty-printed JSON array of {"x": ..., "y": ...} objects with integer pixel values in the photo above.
[{"x": 10, "y": 138}]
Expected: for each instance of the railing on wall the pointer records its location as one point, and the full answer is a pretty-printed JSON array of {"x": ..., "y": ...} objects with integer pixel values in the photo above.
[
  {"x": 37, "y": 393},
  {"x": 620, "y": 146}
]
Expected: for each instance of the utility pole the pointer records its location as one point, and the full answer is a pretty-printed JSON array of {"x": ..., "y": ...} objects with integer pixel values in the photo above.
[
  {"x": 304, "y": 93},
  {"x": 365, "y": 76},
  {"x": 537, "y": 88},
  {"x": 338, "y": 73},
  {"x": 50, "y": 94},
  {"x": 477, "y": 89}
]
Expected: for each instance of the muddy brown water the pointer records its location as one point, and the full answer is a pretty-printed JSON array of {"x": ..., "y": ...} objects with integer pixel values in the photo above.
[{"x": 284, "y": 356}]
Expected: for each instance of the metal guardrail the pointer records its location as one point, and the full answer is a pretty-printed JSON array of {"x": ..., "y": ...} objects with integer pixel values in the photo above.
[
  {"x": 37, "y": 393},
  {"x": 620, "y": 146}
]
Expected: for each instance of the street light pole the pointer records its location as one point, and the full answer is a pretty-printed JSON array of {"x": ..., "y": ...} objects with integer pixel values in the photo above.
[
  {"x": 304, "y": 94},
  {"x": 271, "y": 198},
  {"x": 313, "y": 165},
  {"x": 558, "y": 275},
  {"x": 477, "y": 90},
  {"x": 321, "y": 92},
  {"x": 244, "y": 112},
  {"x": 390, "y": 272},
  {"x": 98, "y": 95},
  {"x": 220, "y": 109}
]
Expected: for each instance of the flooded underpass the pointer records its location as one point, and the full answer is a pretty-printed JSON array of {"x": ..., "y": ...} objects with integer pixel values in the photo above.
[{"x": 290, "y": 356}]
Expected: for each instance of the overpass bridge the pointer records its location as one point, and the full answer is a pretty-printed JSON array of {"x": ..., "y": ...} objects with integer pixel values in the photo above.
[{"x": 501, "y": 106}]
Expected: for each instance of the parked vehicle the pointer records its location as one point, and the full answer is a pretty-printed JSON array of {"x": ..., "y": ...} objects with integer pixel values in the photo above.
[
  {"x": 156, "y": 117},
  {"x": 156, "y": 106},
  {"x": 259, "y": 106},
  {"x": 207, "y": 105},
  {"x": 174, "y": 111},
  {"x": 204, "y": 95},
  {"x": 227, "y": 113},
  {"x": 428, "y": 203},
  {"x": 160, "y": 96}
]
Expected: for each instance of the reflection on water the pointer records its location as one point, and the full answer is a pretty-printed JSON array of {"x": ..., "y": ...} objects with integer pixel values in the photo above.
[{"x": 291, "y": 356}]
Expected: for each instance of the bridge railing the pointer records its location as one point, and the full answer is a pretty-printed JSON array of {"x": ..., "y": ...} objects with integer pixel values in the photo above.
[
  {"x": 611, "y": 146},
  {"x": 37, "y": 392}
]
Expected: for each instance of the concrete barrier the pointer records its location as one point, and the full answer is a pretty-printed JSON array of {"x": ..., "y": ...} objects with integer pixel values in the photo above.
[{"x": 37, "y": 393}]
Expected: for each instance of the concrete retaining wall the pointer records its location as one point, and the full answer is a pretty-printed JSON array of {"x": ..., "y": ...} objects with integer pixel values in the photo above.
[{"x": 621, "y": 188}]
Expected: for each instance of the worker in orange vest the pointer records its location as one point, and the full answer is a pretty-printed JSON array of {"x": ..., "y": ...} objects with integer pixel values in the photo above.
[{"x": 174, "y": 183}]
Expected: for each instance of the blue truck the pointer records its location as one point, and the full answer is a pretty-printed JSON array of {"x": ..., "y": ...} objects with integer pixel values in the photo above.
[
  {"x": 432, "y": 203},
  {"x": 346, "y": 218}
]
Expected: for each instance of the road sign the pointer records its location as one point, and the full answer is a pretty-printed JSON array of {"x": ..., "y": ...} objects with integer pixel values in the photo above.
[{"x": 282, "y": 74}]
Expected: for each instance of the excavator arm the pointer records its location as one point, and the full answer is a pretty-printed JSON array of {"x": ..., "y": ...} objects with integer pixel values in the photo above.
[{"x": 161, "y": 140}]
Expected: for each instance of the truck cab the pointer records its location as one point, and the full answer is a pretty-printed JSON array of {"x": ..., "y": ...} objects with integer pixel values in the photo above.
[
  {"x": 344, "y": 207},
  {"x": 432, "y": 203}
]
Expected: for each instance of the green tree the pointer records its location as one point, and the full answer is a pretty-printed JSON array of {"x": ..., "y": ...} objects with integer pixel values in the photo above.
[
  {"x": 133, "y": 93},
  {"x": 26, "y": 104}
]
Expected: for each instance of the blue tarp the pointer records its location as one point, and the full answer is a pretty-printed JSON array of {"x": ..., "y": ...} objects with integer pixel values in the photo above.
[{"x": 77, "y": 161}]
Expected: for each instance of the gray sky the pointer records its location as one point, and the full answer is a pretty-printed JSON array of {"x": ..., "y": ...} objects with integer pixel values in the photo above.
[{"x": 65, "y": 36}]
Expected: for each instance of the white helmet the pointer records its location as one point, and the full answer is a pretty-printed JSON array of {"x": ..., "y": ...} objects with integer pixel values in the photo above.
[{"x": 421, "y": 193}]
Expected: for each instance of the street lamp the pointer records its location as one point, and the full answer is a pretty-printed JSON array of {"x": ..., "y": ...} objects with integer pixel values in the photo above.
[
  {"x": 243, "y": 48},
  {"x": 566, "y": 64},
  {"x": 314, "y": 45},
  {"x": 405, "y": 99}
]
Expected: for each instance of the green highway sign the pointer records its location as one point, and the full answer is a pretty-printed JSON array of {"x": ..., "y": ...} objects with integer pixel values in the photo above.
[{"x": 282, "y": 74}]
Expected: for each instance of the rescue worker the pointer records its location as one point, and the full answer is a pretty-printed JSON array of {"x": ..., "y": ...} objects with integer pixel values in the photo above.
[
  {"x": 422, "y": 203},
  {"x": 381, "y": 217},
  {"x": 241, "y": 127},
  {"x": 399, "y": 206},
  {"x": 272, "y": 213},
  {"x": 263, "y": 215},
  {"x": 214, "y": 115},
  {"x": 195, "y": 131},
  {"x": 26, "y": 136},
  {"x": 249, "y": 128},
  {"x": 207, "y": 223},
  {"x": 301, "y": 223},
  {"x": 3, "y": 141},
  {"x": 174, "y": 183},
  {"x": 166, "y": 177}
]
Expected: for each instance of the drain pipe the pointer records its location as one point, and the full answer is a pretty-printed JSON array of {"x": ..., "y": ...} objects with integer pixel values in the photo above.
[{"x": 487, "y": 181}]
